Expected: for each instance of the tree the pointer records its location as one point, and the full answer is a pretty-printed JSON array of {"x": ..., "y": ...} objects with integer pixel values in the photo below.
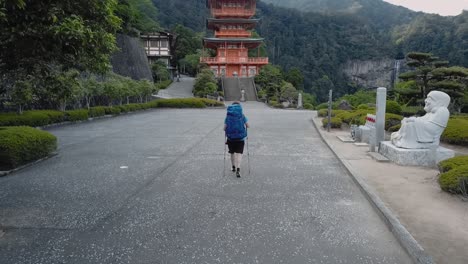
[
  {"x": 295, "y": 77},
  {"x": 160, "y": 72},
  {"x": 288, "y": 92},
  {"x": 91, "y": 88},
  {"x": 36, "y": 35},
  {"x": 453, "y": 81},
  {"x": 270, "y": 80},
  {"x": 423, "y": 63},
  {"x": 322, "y": 87},
  {"x": 22, "y": 95},
  {"x": 205, "y": 83}
]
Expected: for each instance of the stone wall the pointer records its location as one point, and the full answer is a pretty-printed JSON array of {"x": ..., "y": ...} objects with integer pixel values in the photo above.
[{"x": 131, "y": 59}]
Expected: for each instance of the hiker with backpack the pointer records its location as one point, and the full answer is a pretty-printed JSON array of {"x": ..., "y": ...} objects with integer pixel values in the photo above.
[{"x": 235, "y": 127}]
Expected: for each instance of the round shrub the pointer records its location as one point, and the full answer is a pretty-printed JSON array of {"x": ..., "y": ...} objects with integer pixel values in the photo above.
[
  {"x": 450, "y": 181},
  {"x": 394, "y": 128},
  {"x": 322, "y": 106},
  {"x": 335, "y": 122},
  {"x": 393, "y": 107},
  {"x": 20, "y": 145},
  {"x": 392, "y": 120},
  {"x": 452, "y": 163},
  {"x": 308, "y": 106},
  {"x": 363, "y": 106}
]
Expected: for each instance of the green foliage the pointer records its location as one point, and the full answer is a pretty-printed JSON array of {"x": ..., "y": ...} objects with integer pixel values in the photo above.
[
  {"x": 112, "y": 110},
  {"x": 205, "y": 84},
  {"x": 182, "y": 103},
  {"x": 288, "y": 92},
  {"x": 188, "y": 43},
  {"x": 322, "y": 106},
  {"x": 360, "y": 97},
  {"x": 160, "y": 71},
  {"x": 270, "y": 80},
  {"x": 450, "y": 181},
  {"x": 452, "y": 163},
  {"x": 393, "y": 107},
  {"x": 65, "y": 33},
  {"x": 77, "y": 115},
  {"x": 392, "y": 120},
  {"x": 295, "y": 77},
  {"x": 456, "y": 132},
  {"x": 394, "y": 128},
  {"x": 335, "y": 122},
  {"x": 97, "y": 111},
  {"x": 22, "y": 94},
  {"x": 308, "y": 106},
  {"x": 363, "y": 106},
  {"x": 412, "y": 110},
  {"x": 162, "y": 85},
  {"x": 28, "y": 118},
  {"x": 20, "y": 145}
]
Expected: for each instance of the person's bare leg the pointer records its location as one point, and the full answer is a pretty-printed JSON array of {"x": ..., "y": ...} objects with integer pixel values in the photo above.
[{"x": 233, "y": 161}]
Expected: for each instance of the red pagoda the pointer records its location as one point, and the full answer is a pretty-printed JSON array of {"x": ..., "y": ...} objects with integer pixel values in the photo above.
[{"x": 231, "y": 22}]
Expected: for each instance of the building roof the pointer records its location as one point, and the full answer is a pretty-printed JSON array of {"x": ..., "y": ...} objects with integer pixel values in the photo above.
[
  {"x": 212, "y": 23},
  {"x": 248, "y": 42}
]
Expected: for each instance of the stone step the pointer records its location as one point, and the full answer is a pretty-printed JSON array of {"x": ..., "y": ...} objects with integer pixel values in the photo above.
[
  {"x": 361, "y": 144},
  {"x": 346, "y": 139},
  {"x": 378, "y": 157}
]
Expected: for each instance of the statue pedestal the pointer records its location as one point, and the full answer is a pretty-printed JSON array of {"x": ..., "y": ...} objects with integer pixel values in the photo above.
[{"x": 414, "y": 157}]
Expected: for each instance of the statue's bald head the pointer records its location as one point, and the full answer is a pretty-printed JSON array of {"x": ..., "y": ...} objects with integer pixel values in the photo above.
[{"x": 441, "y": 99}]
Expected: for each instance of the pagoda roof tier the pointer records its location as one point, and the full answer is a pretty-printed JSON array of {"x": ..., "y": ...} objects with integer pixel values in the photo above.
[
  {"x": 209, "y": 2},
  {"x": 213, "y": 23},
  {"x": 246, "y": 42}
]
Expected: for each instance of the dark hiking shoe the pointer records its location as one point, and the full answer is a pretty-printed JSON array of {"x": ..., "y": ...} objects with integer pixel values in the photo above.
[
  {"x": 238, "y": 173},
  {"x": 233, "y": 169}
]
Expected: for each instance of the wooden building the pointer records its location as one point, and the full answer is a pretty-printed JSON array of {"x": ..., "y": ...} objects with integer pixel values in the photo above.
[{"x": 231, "y": 21}]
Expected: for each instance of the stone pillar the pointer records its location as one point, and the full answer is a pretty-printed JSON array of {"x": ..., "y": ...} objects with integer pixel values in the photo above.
[
  {"x": 242, "y": 95},
  {"x": 299, "y": 101},
  {"x": 380, "y": 115}
]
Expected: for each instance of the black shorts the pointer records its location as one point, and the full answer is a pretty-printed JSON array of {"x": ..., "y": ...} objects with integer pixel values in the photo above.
[{"x": 235, "y": 146}]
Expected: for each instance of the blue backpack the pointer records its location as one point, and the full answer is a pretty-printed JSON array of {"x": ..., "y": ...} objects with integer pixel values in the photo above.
[{"x": 235, "y": 123}]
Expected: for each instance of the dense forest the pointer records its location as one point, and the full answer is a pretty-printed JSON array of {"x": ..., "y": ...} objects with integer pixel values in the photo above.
[{"x": 331, "y": 33}]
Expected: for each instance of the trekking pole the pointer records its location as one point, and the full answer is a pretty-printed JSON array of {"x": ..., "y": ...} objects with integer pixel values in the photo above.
[
  {"x": 224, "y": 167},
  {"x": 248, "y": 153}
]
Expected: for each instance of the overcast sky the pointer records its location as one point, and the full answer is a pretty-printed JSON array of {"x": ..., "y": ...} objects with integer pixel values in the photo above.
[{"x": 442, "y": 7}]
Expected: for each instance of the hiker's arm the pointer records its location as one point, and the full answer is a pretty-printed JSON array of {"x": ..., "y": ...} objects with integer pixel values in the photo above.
[
  {"x": 225, "y": 127},
  {"x": 247, "y": 125}
]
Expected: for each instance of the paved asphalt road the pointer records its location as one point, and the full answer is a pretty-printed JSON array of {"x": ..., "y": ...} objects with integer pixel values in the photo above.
[{"x": 149, "y": 188}]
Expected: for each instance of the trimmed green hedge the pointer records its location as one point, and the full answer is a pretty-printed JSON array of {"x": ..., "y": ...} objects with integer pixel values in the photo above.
[
  {"x": 97, "y": 111},
  {"x": 32, "y": 118},
  {"x": 452, "y": 163},
  {"x": 456, "y": 132},
  {"x": 45, "y": 117},
  {"x": 77, "y": 115},
  {"x": 20, "y": 145},
  {"x": 451, "y": 181}
]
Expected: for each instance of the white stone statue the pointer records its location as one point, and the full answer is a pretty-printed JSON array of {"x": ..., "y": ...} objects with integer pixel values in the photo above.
[{"x": 424, "y": 132}]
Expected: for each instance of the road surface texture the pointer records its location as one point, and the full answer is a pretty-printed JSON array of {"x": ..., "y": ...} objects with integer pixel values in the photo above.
[{"x": 149, "y": 188}]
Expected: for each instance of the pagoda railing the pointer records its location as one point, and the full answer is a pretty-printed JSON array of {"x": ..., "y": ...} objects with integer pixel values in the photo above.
[
  {"x": 256, "y": 60},
  {"x": 233, "y": 33},
  {"x": 232, "y": 12}
]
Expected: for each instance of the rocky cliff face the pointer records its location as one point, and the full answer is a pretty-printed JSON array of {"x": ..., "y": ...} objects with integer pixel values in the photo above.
[
  {"x": 131, "y": 60},
  {"x": 373, "y": 73}
]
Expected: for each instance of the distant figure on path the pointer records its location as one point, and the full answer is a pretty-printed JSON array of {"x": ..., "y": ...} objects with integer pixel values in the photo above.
[
  {"x": 235, "y": 127},
  {"x": 424, "y": 132}
]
